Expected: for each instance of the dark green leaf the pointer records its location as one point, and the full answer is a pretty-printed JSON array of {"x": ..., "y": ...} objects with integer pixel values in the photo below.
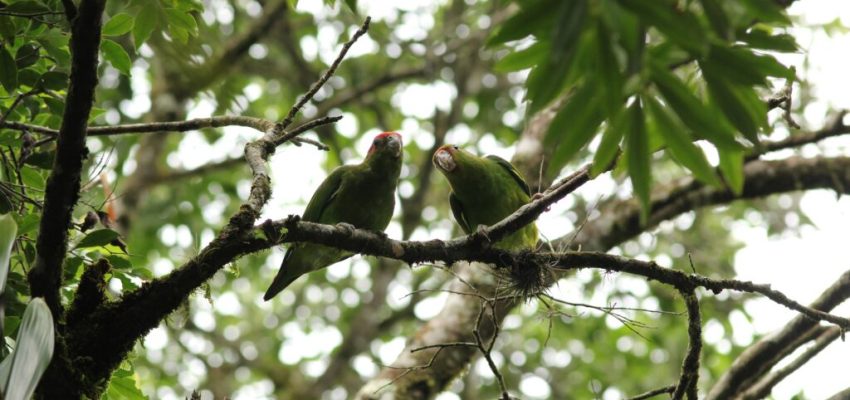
[
  {"x": 733, "y": 101},
  {"x": 732, "y": 167},
  {"x": 609, "y": 70},
  {"x": 26, "y": 7},
  {"x": 524, "y": 22},
  {"x": 8, "y": 71},
  {"x": 117, "y": 56},
  {"x": 7, "y": 28},
  {"x": 56, "y": 106},
  {"x": 119, "y": 262},
  {"x": 54, "y": 80},
  {"x": 678, "y": 25},
  {"x": 575, "y": 125},
  {"x": 26, "y": 55},
  {"x": 762, "y": 39},
  {"x": 637, "y": 154},
  {"x": 766, "y": 11},
  {"x": 610, "y": 143},
  {"x": 547, "y": 79},
  {"x": 41, "y": 159},
  {"x": 691, "y": 110},
  {"x": 118, "y": 25},
  {"x": 100, "y": 237},
  {"x": 742, "y": 66},
  {"x": 679, "y": 143},
  {"x": 523, "y": 59},
  {"x": 146, "y": 21},
  {"x": 717, "y": 17}
]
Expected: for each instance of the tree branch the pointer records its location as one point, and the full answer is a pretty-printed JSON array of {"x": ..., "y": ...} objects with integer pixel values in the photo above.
[
  {"x": 762, "y": 388},
  {"x": 761, "y": 356},
  {"x": 63, "y": 185},
  {"x": 124, "y": 322},
  {"x": 690, "y": 366}
]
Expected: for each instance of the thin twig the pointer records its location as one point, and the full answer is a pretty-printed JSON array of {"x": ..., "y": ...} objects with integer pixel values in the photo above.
[
  {"x": 690, "y": 366},
  {"x": 281, "y": 126}
]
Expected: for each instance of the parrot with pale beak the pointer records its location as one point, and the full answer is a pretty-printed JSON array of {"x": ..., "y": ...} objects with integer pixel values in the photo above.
[
  {"x": 485, "y": 190},
  {"x": 361, "y": 195}
]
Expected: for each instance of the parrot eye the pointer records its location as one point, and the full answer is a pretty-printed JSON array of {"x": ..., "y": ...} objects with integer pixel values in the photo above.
[{"x": 455, "y": 147}]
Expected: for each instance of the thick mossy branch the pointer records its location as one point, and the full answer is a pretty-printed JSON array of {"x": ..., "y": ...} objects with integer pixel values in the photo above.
[
  {"x": 63, "y": 184},
  {"x": 91, "y": 292}
]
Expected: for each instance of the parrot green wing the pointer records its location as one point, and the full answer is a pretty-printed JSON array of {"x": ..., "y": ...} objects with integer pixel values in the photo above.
[
  {"x": 457, "y": 211},
  {"x": 511, "y": 170},
  {"x": 323, "y": 196}
]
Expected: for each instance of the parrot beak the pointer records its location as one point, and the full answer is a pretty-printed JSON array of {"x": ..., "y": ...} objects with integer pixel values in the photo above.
[
  {"x": 394, "y": 144},
  {"x": 444, "y": 160}
]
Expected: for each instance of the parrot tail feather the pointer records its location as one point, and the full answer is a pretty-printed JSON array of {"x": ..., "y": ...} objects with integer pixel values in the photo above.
[{"x": 281, "y": 281}]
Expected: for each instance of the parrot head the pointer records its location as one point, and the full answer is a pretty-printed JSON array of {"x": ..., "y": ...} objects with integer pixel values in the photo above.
[
  {"x": 387, "y": 143},
  {"x": 447, "y": 156}
]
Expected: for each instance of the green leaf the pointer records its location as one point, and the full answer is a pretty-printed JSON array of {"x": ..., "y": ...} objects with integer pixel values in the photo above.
[
  {"x": 8, "y": 28},
  {"x": 575, "y": 125},
  {"x": 100, "y": 237},
  {"x": 10, "y": 324},
  {"x": 522, "y": 59},
  {"x": 32, "y": 178},
  {"x": 762, "y": 39},
  {"x": 733, "y": 101},
  {"x": 26, "y": 7},
  {"x": 55, "y": 43},
  {"x": 679, "y": 143},
  {"x": 146, "y": 21},
  {"x": 123, "y": 387},
  {"x": 732, "y": 167},
  {"x": 637, "y": 155},
  {"x": 117, "y": 56},
  {"x": 741, "y": 65},
  {"x": 8, "y": 233},
  {"x": 524, "y": 22},
  {"x": 27, "y": 224},
  {"x": 352, "y": 5},
  {"x": 56, "y": 106},
  {"x": 34, "y": 348},
  {"x": 118, "y": 25},
  {"x": 119, "y": 261},
  {"x": 54, "y": 80},
  {"x": 766, "y": 11},
  {"x": 26, "y": 55},
  {"x": 547, "y": 79},
  {"x": 182, "y": 20},
  {"x": 609, "y": 70},
  {"x": 717, "y": 18},
  {"x": 691, "y": 110},
  {"x": 610, "y": 143},
  {"x": 8, "y": 71},
  {"x": 679, "y": 25}
]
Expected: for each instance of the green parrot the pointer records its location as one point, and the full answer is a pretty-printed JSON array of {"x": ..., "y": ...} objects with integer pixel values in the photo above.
[
  {"x": 361, "y": 195},
  {"x": 485, "y": 190}
]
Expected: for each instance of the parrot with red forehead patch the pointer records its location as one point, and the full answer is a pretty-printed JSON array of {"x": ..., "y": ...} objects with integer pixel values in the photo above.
[
  {"x": 485, "y": 190},
  {"x": 362, "y": 195}
]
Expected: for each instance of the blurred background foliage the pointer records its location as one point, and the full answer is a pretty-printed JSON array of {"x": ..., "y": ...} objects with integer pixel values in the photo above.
[{"x": 462, "y": 72}]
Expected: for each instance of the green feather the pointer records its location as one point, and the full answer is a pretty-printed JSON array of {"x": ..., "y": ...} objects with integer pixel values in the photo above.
[
  {"x": 485, "y": 190},
  {"x": 362, "y": 195}
]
